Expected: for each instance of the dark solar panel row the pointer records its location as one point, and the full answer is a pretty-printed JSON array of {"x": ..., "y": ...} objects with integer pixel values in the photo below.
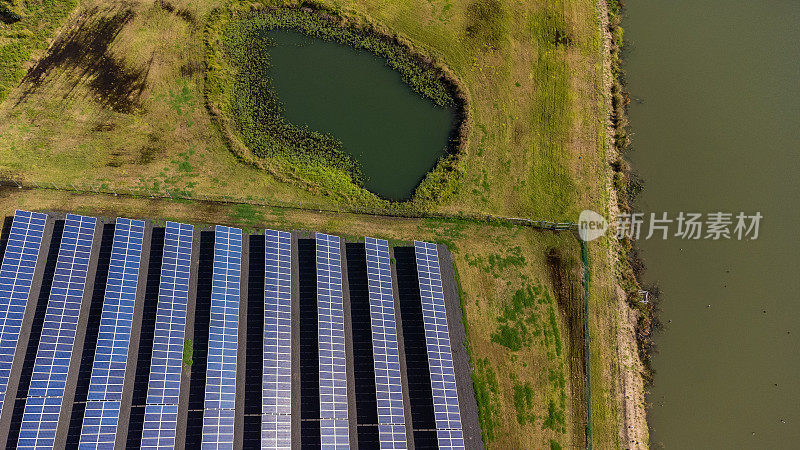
[
  {"x": 202, "y": 317},
  {"x": 49, "y": 377},
  {"x": 254, "y": 352},
  {"x": 7, "y": 222},
  {"x": 309, "y": 346},
  {"x": 363, "y": 366}
]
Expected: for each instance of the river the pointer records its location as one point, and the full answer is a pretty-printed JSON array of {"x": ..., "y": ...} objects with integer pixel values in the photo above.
[{"x": 715, "y": 119}]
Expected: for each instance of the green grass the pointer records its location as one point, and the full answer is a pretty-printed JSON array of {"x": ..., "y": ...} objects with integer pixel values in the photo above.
[
  {"x": 523, "y": 402},
  {"x": 37, "y": 21},
  {"x": 246, "y": 214},
  {"x": 519, "y": 322},
  {"x": 484, "y": 380},
  {"x": 188, "y": 352}
]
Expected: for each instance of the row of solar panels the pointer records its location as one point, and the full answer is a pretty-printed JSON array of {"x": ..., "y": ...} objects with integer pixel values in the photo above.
[{"x": 49, "y": 378}]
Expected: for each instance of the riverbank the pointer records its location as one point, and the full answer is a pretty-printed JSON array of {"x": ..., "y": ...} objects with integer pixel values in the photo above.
[{"x": 635, "y": 316}]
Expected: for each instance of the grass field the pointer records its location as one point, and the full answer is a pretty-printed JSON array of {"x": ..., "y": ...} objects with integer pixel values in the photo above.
[{"x": 119, "y": 100}]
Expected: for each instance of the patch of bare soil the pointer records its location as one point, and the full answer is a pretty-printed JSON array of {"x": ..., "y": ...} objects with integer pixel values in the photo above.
[
  {"x": 183, "y": 13},
  {"x": 635, "y": 434},
  {"x": 569, "y": 298}
]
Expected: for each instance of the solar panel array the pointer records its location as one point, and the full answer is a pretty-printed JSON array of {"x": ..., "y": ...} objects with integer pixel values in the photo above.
[
  {"x": 334, "y": 427},
  {"x": 440, "y": 358},
  {"x": 43, "y": 404},
  {"x": 223, "y": 339},
  {"x": 386, "y": 356},
  {"x": 163, "y": 390},
  {"x": 276, "y": 406},
  {"x": 16, "y": 276},
  {"x": 49, "y": 377},
  {"x": 111, "y": 354}
]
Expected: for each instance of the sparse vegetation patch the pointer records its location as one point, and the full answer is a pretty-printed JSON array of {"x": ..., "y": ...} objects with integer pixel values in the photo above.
[{"x": 25, "y": 28}]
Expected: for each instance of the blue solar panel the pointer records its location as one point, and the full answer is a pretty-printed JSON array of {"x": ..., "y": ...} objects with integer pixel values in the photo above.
[
  {"x": 160, "y": 423},
  {"x": 111, "y": 354},
  {"x": 450, "y": 439},
  {"x": 39, "y": 430},
  {"x": 334, "y": 433},
  {"x": 386, "y": 356},
  {"x": 276, "y": 406},
  {"x": 164, "y": 385},
  {"x": 392, "y": 436},
  {"x": 440, "y": 358},
  {"x": 16, "y": 275},
  {"x": 50, "y": 369},
  {"x": 218, "y": 428},
  {"x": 223, "y": 338},
  {"x": 332, "y": 357},
  {"x": 276, "y": 431},
  {"x": 100, "y": 424}
]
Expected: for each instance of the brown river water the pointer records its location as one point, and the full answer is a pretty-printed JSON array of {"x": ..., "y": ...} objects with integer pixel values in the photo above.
[{"x": 715, "y": 117}]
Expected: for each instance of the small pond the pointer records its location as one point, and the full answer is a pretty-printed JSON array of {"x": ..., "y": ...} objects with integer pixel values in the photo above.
[{"x": 396, "y": 134}]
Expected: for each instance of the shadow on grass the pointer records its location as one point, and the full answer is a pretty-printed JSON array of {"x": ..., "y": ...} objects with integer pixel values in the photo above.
[{"x": 82, "y": 52}]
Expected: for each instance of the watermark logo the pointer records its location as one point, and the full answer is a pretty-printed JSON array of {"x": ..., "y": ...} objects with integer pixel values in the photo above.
[
  {"x": 690, "y": 226},
  {"x": 591, "y": 225}
]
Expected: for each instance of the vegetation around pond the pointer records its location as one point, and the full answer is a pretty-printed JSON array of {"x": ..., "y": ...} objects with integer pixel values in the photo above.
[{"x": 240, "y": 89}]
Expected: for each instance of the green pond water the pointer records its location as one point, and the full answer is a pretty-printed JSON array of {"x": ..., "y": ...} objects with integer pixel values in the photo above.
[
  {"x": 396, "y": 135},
  {"x": 716, "y": 88}
]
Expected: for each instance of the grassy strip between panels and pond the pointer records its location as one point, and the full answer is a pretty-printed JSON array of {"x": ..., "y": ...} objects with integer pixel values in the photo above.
[
  {"x": 241, "y": 94},
  {"x": 26, "y": 27}
]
